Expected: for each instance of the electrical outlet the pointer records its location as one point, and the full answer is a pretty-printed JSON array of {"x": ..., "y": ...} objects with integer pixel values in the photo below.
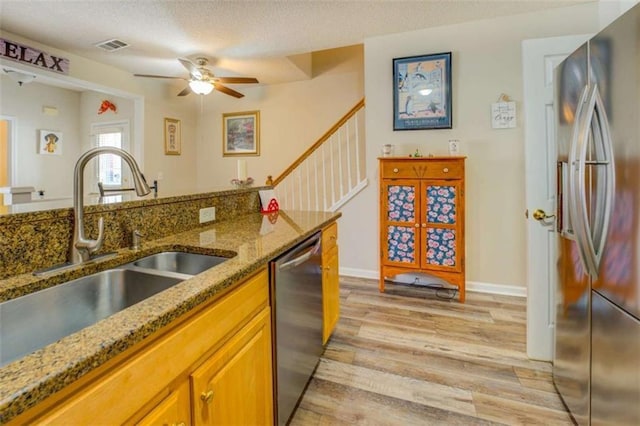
[
  {"x": 208, "y": 214},
  {"x": 454, "y": 146}
]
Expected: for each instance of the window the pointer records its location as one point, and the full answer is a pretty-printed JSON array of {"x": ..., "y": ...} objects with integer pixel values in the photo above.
[
  {"x": 110, "y": 166},
  {"x": 109, "y": 169}
]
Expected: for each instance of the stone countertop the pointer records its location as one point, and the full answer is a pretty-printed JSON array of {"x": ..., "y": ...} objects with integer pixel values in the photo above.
[{"x": 28, "y": 381}]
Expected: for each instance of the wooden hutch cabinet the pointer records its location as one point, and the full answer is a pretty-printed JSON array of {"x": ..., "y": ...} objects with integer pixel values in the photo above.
[{"x": 422, "y": 218}]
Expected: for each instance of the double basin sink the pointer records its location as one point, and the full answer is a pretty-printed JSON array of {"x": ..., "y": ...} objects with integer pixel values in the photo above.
[{"x": 30, "y": 322}]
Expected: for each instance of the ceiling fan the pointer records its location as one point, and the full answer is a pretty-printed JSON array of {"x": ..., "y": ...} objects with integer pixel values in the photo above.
[{"x": 202, "y": 81}]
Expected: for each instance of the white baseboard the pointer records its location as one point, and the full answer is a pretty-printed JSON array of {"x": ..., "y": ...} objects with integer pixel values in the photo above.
[
  {"x": 503, "y": 289},
  {"x": 506, "y": 290},
  {"x": 360, "y": 273}
]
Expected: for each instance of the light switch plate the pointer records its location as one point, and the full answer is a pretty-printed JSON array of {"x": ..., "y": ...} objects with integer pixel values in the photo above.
[
  {"x": 208, "y": 214},
  {"x": 454, "y": 146}
]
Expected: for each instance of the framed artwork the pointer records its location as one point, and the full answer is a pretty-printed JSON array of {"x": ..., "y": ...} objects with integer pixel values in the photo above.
[
  {"x": 422, "y": 92},
  {"x": 172, "y": 136},
  {"x": 241, "y": 133},
  {"x": 50, "y": 142}
]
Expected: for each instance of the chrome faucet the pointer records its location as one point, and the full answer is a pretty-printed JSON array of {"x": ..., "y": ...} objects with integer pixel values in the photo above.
[{"x": 82, "y": 247}]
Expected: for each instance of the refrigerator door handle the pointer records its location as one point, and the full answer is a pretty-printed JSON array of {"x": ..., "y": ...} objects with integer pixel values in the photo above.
[
  {"x": 576, "y": 196},
  {"x": 605, "y": 184},
  {"x": 591, "y": 235}
]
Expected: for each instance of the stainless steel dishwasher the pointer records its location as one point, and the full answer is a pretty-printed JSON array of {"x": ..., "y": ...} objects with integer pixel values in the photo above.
[{"x": 296, "y": 298}]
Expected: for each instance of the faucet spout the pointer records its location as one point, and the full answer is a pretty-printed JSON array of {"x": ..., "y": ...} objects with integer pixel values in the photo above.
[{"x": 81, "y": 246}]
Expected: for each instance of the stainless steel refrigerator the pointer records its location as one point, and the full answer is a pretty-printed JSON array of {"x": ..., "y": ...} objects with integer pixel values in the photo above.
[{"x": 596, "y": 366}]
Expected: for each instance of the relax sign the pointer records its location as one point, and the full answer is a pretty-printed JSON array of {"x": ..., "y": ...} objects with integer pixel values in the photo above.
[{"x": 34, "y": 57}]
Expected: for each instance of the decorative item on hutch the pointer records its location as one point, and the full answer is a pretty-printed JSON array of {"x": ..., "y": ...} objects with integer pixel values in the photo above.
[{"x": 422, "y": 218}]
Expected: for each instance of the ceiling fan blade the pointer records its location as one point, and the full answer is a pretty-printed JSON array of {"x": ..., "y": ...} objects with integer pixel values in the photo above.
[
  {"x": 185, "y": 91},
  {"x": 224, "y": 89},
  {"x": 236, "y": 80},
  {"x": 191, "y": 67},
  {"x": 157, "y": 76}
]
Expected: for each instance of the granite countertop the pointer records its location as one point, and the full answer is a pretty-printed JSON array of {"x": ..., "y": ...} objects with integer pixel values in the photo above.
[{"x": 26, "y": 382}]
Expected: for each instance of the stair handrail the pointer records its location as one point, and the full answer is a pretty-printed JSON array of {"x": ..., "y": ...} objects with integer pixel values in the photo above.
[{"x": 357, "y": 107}]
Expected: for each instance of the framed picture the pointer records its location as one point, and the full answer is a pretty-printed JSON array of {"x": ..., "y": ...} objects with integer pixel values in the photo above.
[
  {"x": 422, "y": 92},
  {"x": 241, "y": 133},
  {"x": 50, "y": 142},
  {"x": 172, "y": 136}
]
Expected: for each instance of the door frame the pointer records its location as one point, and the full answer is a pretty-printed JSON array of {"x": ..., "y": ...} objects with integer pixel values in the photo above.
[
  {"x": 541, "y": 291},
  {"x": 12, "y": 127}
]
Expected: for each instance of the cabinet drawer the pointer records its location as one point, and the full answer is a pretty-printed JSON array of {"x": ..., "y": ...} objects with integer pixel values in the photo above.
[
  {"x": 422, "y": 169},
  {"x": 329, "y": 237}
]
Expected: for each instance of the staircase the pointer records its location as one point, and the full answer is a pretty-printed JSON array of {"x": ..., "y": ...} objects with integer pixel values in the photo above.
[{"x": 330, "y": 172}]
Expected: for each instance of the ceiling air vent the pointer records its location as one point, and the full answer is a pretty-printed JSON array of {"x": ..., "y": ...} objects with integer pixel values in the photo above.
[{"x": 112, "y": 45}]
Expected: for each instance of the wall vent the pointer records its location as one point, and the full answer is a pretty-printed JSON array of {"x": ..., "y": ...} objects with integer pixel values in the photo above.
[{"x": 112, "y": 45}]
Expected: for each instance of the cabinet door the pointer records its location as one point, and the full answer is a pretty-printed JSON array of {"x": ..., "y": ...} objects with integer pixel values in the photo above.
[
  {"x": 173, "y": 410},
  {"x": 234, "y": 387},
  {"x": 399, "y": 223},
  {"x": 441, "y": 231},
  {"x": 330, "y": 292}
]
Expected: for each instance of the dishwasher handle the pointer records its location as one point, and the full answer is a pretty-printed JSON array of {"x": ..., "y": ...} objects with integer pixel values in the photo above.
[{"x": 303, "y": 253}]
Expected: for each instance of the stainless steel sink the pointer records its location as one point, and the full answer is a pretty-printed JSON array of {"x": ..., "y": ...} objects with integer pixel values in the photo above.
[
  {"x": 183, "y": 263},
  {"x": 35, "y": 320}
]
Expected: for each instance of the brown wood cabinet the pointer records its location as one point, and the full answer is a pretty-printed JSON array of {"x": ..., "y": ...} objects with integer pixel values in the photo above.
[
  {"x": 330, "y": 281},
  {"x": 234, "y": 386},
  {"x": 172, "y": 410},
  {"x": 422, "y": 218},
  {"x": 224, "y": 347}
]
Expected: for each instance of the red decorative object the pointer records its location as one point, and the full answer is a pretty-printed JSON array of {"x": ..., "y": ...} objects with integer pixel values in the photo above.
[
  {"x": 273, "y": 206},
  {"x": 273, "y": 216},
  {"x": 105, "y": 106}
]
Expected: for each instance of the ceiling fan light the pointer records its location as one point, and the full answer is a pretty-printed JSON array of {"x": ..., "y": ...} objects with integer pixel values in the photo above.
[{"x": 201, "y": 87}]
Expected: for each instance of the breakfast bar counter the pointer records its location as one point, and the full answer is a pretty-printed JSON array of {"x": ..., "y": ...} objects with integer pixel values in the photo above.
[{"x": 252, "y": 240}]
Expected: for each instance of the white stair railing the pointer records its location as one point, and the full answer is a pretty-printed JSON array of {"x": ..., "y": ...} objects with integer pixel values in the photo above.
[{"x": 330, "y": 172}]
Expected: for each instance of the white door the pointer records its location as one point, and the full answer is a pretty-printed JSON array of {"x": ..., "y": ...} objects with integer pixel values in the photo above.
[{"x": 539, "y": 58}]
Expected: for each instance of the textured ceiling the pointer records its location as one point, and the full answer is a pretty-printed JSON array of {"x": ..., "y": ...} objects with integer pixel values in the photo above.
[{"x": 250, "y": 38}]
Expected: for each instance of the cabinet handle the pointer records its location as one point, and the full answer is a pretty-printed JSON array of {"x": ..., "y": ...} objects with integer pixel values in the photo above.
[
  {"x": 417, "y": 225},
  {"x": 446, "y": 170},
  {"x": 395, "y": 170},
  {"x": 333, "y": 237},
  {"x": 424, "y": 225},
  {"x": 207, "y": 397}
]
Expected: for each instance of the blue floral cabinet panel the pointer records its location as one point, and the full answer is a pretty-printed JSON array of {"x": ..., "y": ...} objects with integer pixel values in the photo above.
[
  {"x": 401, "y": 203},
  {"x": 441, "y": 204},
  {"x": 401, "y": 243},
  {"x": 441, "y": 247}
]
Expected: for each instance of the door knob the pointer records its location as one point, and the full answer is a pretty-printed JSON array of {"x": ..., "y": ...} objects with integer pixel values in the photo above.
[{"x": 539, "y": 214}]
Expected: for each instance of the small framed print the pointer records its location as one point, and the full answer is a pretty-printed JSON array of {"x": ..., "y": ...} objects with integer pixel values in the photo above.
[
  {"x": 241, "y": 133},
  {"x": 503, "y": 115},
  {"x": 172, "y": 136},
  {"x": 50, "y": 142},
  {"x": 422, "y": 92}
]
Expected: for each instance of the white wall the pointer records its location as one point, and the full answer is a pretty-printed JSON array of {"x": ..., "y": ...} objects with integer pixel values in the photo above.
[
  {"x": 178, "y": 172},
  {"x": 292, "y": 117},
  {"x": 24, "y": 104},
  {"x": 486, "y": 63}
]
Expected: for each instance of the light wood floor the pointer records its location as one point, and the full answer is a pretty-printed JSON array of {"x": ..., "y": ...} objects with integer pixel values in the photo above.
[{"x": 406, "y": 357}]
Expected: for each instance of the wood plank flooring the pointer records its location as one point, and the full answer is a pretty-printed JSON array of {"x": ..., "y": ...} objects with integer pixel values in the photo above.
[{"x": 407, "y": 357}]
